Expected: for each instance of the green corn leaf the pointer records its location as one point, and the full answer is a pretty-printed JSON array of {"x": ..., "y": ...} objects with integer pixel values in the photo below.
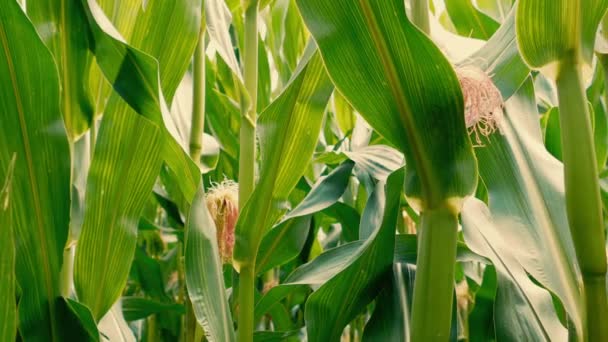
[
  {"x": 218, "y": 20},
  {"x": 522, "y": 309},
  {"x": 469, "y": 21},
  {"x": 403, "y": 86},
  {"x": 315, "y": 273},
  {"x": 77, "y": 323},
  {"x": 525, "y": 190},
  {"x": 288, "y": 131},
  {"x": 286, "y": 239},
  {"x": 8, "y": 304},
  {"x": 32, "y": 131},
  {"x": 549, "y": 30},
  {"x": 389, "y": 322},
  {"x": 204, "y": 277},
  {"x": 340, "y": 299},
  {"x": 166, "y": 30},
  {"x": 135, "y": 308},
  {"x": 70, "y": 46},
  {"x": 126, "y": 164},
  {"x": 135, "y": 76}
]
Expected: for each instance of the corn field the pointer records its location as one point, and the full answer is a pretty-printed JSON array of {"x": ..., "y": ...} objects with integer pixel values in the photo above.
[{"x": 303, "y": 170}]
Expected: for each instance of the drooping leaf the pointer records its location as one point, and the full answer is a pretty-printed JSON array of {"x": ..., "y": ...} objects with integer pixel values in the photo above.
[
  {"x": 527, "y": 209},
  {"x": 126, "y": 164},
  {"x": 403, "y": 86},
  {"x": 288, "y": 131},
  {"x": 32, "y": 130},
  {"x": 286, "y": 239},
  {"x": 524, "y": 311},
  {"x": 549, "y": 30},
  {"x": 218, "y": 20},
  {"x": 135, "y": 76},
  {"x": 340, "y": 299},
  {"x": 135, "y": 308},
  {"x": 77, "y": 322},
  {"x": 204, "y": 276}
]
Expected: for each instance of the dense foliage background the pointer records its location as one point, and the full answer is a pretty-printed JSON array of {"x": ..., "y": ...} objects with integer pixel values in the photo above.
[{"x": 378, "y": 147}]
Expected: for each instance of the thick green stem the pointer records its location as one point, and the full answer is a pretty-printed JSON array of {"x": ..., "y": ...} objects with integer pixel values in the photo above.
[
  {"x": 434, "y": 283},
  {"x": 247, "y": 142},
  {"x": 583, "y": 202},
  {"x": 245, "y": 309},
  {"x": 248, "y": 110},
  {"x": 420, "y": 15},
  {"x": 198, "y": 101}
]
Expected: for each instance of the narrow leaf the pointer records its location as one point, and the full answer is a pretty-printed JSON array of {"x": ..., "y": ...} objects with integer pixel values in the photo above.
[
  {"x": 204, "y": 276},
  {"x": 288, "y": 131}
]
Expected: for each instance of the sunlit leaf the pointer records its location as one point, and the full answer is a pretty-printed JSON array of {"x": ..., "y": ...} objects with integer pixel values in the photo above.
[
  {"x": 403, "y": 86},
  {"x": 33, "y": 132}
]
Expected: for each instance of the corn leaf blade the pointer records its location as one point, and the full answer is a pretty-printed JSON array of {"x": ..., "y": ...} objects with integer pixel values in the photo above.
[
  {"x": 403, "y": 86},
  {"x": 70, "y": 47},
  {"x": 288, "y": 131},
  {"x": 32, "y": 129},
  {"x": 548, "y": 30},
  {"x": 204, "y": 277},
  {"x": 126, "y": 164},
  {"x": 8, "y": 304}
]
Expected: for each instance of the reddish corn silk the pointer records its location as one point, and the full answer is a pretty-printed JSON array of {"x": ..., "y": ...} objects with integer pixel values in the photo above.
[
  {"x": 483, "y": 104},
  {"x": 223, "y": 204}
]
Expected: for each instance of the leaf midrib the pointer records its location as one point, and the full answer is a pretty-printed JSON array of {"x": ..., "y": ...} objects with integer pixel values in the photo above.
[{"x": 430, "y": 194}]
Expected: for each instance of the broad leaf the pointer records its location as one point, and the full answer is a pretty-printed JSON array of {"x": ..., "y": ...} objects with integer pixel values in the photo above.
[
  {"x": 126, "y": 164},
  {"x": 32, "y": 130},
  {"x": 523, "y": 310},
  {"x": 403, "y": 86},
  {"x": 549, "y": 30},
  {"x": 527, "y": 208},
  {"x": 135, "y": 76}
]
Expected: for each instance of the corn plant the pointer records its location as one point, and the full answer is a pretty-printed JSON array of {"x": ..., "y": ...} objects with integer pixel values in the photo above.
[{"x": 288, "y": 170}]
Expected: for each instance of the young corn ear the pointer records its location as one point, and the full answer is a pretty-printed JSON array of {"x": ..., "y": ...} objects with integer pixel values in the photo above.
[
  {"x": 223, "y": 204},
  {"x": 482, "y": 102}
]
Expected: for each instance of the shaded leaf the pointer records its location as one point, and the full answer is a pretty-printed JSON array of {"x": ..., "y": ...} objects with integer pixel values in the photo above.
[
  {"x": 135, "y": 308},
  {"x": 8, "y": 304}
]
